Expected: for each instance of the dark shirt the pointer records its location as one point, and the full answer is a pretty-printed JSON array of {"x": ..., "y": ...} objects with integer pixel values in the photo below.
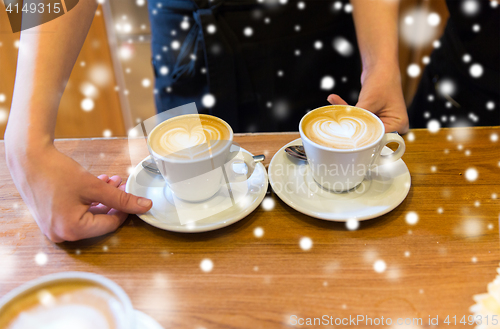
[
  {"x": 469, "y": 61},
  {"x": 264, "y": 64}
]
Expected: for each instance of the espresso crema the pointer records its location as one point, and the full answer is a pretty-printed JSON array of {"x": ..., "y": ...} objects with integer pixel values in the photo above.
[
  {"x": 189, "y": 136},
  {"x": 341, "y": 127},
  {"x": 76, "y": 304}
]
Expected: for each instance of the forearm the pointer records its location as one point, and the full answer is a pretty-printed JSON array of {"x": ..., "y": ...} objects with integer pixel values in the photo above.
[
  {"x": 376, "y": 24},
  {"x": 46, "y": 57}
]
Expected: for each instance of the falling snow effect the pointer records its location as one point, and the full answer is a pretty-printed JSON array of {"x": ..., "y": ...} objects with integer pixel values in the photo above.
[
  {"x": 471, "y": 174},
  {"x": 146, "y": 83},
  {"x": 413, "y": 70},
  {"x": 211, "y": 29},
  {"x": 470, "y": 7},
  {"x": 175, "y": 45},
  {"x": 352, "y": 224},
  {"x": 306, "y": 243},
  {"x": 89, "y": 90},
  {"x": 446, "y": 87},
  {"x": 318, "y": 45},
  {"x": 490, "y": 105},
  {"x": 185, "y": 25},
  {"x": 268, "y": 204},
  {"x": 379, "y": 266},
  {"x": 41, "y": 258},
  {"x": 206, "y": 265},
  {"x": 470, "y": 228},
  {"x": 327, "y": 83},
  {"x": 2, "y": 98},
  {"x": 4, "y": 115},
  {"x": 248, "y": 31},
  {"x": 208, "y": 100},
  {"x": 281, "y": 110},
  {"x": 107, "y": 133},
  {"x": 87, "y": 104},
  {"x": 433, "y": 19},
  {"x": 343, "y": 46},
  {"x": 164, "y": 70},
  {"x": 100, "y": 75},
  {"x": 258, "y": 232},
  {"x": 418, "y": 27},
  {"x": 411, "y": 218},
  {"x": 410, "y": 137},
  {"x": 476, "y": 70},
  {"x": 433, "y": 126}
]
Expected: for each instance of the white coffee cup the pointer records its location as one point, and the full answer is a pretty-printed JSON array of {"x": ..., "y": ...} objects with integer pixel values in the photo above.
[
  {"x": 125, "y": 312},
  {"x": 340, "y": 170},
  {"x": 198, "y": 179}
]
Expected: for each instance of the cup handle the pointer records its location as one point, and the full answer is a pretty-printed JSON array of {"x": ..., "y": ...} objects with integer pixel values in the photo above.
[
  {"x": 380, "y": 159},
  {"x": 248, "y": 160}
]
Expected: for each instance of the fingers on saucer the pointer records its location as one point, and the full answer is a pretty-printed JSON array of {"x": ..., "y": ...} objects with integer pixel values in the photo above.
[
  {"x": 92, "y": 225},
  {"x": 115, "y": 181}
]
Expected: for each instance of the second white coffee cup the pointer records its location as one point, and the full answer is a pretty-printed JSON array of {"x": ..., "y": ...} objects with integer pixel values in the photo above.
[{"x": 340, "y": 170}]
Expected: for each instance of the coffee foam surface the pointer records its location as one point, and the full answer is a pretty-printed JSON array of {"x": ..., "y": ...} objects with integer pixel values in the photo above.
[
  {"x": 341, "y": 127},
  {"x": 62, "y": 306},
  {"x": 189, "y": 136}
]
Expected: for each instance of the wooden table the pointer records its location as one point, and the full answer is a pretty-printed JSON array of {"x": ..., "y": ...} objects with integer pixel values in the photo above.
[{"x": 433, "y": 267}]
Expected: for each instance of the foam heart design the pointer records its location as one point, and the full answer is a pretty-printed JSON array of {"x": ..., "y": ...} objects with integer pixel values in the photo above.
[
  {"x": 345, "y": 132},
  {"x": 343, "y": 129},
  {"x": 180, "y": 138}
]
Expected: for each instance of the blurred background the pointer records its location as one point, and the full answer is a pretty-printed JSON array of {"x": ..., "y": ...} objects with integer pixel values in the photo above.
[{"x": 112, "y": 84}]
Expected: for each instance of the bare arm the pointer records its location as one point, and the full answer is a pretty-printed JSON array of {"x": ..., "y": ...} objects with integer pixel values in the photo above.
[
  {"x": 67, "y": 202},
  {"x": 46, "y": 57},
  {"x": 377, "y": 31},
  {"x": 376, "y": 24}
]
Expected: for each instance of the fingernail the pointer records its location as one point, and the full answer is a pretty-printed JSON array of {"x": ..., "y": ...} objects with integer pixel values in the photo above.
[{"x": 143, "y": 202}]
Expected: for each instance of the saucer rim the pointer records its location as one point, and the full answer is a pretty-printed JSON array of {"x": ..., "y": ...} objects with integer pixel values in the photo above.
[
  {"x": 203, "y": 228},
  {"x": 141, "y": 319},
  {"x": 331, "y": 217}
]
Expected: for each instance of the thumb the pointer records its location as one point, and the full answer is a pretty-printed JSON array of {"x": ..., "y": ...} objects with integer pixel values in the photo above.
[
  {"x": 336, "y": 100},
  {"x": 118, "y": 199}
]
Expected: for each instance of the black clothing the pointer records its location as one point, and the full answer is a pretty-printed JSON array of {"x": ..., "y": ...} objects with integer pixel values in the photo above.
[
  {"x": 470, "y": 38},
  {"x": 263, "y": 64}
]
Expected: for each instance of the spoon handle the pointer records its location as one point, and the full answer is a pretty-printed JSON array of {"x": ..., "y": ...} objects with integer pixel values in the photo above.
[{"x": 150, "y": 165}]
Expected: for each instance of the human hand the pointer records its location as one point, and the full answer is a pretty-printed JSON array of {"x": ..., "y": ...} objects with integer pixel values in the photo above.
[
  {"x": 381, "y": 94},
  {"x": 67, "y": 202}
]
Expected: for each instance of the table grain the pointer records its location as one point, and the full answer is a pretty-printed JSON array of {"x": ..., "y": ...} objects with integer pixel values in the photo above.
[{"x": 433, "y": 267}]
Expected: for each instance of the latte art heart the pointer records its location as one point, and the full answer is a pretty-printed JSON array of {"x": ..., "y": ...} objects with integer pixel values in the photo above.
[
  {"x": 341, "y": 127},
  {"x": 189, "y": 136}
]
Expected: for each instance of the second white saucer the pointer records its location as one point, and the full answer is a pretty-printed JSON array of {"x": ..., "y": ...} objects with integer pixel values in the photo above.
[
  {"x": 219, "y": 211},
  {"x": 144, "y": 321},
  {"x": 379, "y": 193}
]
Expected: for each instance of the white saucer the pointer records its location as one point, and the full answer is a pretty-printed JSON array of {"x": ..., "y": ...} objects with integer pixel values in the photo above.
[
  {"x": 144, "y": 321},
  {"x": 378, "y": 194},
  {"x": 225, "y": 210}
]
